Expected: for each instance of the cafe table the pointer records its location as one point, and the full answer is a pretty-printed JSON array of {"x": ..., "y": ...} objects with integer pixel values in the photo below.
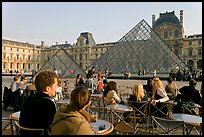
[
  {"x": 192, "y": 120},
  {"x": 102, "y": 127},
  {"x": 119, "y": 120},
  {"x": 14, "y": 117}
]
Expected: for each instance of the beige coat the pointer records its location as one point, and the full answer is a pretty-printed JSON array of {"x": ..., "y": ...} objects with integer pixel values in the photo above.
[{"x": 70, "y": 122}]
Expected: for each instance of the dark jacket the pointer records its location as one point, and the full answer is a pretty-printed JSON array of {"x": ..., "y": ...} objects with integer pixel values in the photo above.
[
  {"x": 190, "y": 94},
  {"x": 37, "y": 111}
]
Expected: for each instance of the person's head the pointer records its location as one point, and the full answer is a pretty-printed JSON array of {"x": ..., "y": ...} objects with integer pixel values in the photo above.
[
  {"x": 169, "y": 80},
  {"x": 82, "y": 78},
  {"x": 192, "y": 82},
  {"x": 78, "y": 76},
  {"x": 80, "y": 97},
  {"x": 23, "y": 79},
  {"x": 17, "y": 78},
  {"x": 156, "y": 83},
  {"x": 47, "y": 82},
  {"x": 93, "y": 68},
  {"x": 110, "y": 86},
  {"x": 138, "y": 91},
  {"x": 100, "y": 78}
]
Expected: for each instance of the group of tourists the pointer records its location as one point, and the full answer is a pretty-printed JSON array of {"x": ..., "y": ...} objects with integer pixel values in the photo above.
[{"x": 40, "y": 111}]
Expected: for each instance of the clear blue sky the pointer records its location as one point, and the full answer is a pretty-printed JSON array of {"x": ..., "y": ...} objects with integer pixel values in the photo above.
[{"x": 53, "y": 22}]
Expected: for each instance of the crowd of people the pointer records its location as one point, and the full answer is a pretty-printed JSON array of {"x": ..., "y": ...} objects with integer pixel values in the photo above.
[{"x": 39, "y": 110}]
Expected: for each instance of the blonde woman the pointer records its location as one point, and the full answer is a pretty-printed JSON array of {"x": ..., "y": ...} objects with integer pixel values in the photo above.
[
  {"x": 138, "y": 94},
  {"x": 159, "y": 95},
  {"x": 158, "y": 92}
]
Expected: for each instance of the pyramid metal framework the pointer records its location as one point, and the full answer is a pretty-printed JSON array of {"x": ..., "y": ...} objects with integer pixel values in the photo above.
[
  {"x": 63, "y": 62},
  {"x": 142, "y": 48}
]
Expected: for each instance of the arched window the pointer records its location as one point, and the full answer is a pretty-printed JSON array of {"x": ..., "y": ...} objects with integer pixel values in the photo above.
[
  {"x": 4, "y": 66},
  {"x": 11, "y": 65},
  {"x": 80, "y": 57},
  {"x": 199, "y": 64},
  {"x": 29, "y": 66},
  {"x": 176, "y": 34},
  {"x": 38, "y": 66},
  {"x": 190, "y": 64},
  {"x": 165, "y": 34},
  {"x": 190, "y": 51},
  {"x": 23, "y": 65}
]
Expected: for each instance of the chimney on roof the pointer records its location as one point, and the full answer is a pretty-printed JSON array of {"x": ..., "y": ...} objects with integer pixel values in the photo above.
[
  {"x": 42, "y": 43},
  {"x": 153, "y": 20},
  {"x": 181, "y": 17},
  {"x": 65, "y": 42}
]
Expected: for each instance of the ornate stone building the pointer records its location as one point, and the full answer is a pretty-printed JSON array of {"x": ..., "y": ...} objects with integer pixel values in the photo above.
[
  {"x": 25, "y": 56},
  {"x": 20, "y": 56},
  {"x": 171, "y": 30}
]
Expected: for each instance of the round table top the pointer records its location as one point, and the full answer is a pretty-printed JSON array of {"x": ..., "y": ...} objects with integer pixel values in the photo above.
[
  {"x": 187, "y": 118},
  {"x": 120, "y": 107},
  {"x": 193, "y": 105},
  {"x": 108, "y": 127},
  {"x": 15, "y": 115}
]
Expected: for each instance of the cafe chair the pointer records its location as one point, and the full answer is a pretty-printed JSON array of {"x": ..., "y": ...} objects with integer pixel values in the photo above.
[
  {"x": 36, "y": 131},
  {"x": 141, "y": 113},
  {"x": 159, "y": 110},
  {"x": 123, "y": 127},
  {"x": 195, "y": 129},
  {"x": 167, "y": 126},
  {"x": 6, "y": 129}
]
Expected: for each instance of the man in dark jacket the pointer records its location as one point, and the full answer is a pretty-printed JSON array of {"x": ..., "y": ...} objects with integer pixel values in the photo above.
[
  {"x": 190, "y": 93},
  {"x": 38, "y": 110}
]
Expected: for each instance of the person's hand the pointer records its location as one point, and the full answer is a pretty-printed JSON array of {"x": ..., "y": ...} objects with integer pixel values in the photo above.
[{"x": 153, "y": 102}]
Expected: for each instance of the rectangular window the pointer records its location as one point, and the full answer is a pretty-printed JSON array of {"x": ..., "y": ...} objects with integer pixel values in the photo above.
[
  {"x": 199, "y": 42},
  {"x": 190, "y": 51},
  {"x": 199, "y": 51}
]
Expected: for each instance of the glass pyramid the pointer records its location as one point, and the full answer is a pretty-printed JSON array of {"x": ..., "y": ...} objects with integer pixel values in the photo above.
[
  {"x": 142, "y": 48},
  {"x": 64, "y": 64}
]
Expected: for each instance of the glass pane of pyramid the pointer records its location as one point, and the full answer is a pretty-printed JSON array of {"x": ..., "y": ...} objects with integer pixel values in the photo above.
[
  {"x": 64, "y": 64},
  {"x": 141, "y": 47}
]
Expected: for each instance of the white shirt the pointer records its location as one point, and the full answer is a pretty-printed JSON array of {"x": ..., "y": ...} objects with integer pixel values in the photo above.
[
  {"x": 112, "y": 97},
  {"x": 163, "y": 94}
]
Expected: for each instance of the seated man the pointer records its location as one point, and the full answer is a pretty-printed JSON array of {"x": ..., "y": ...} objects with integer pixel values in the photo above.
[
  {"x": 188, "y": 94},
  {"x": 38, "y": 110}
]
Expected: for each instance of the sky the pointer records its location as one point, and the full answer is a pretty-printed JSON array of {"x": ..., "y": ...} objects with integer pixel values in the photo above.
[{"x": 53, "y": 22}]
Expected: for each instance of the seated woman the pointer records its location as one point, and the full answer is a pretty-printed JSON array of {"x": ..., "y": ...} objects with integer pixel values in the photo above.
[
  {"x": 159, "y": 95},
  {"x": 138, "y": 94},
  {"x": 72, "y": 119},
  {"x": 110, "y": 94}
]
